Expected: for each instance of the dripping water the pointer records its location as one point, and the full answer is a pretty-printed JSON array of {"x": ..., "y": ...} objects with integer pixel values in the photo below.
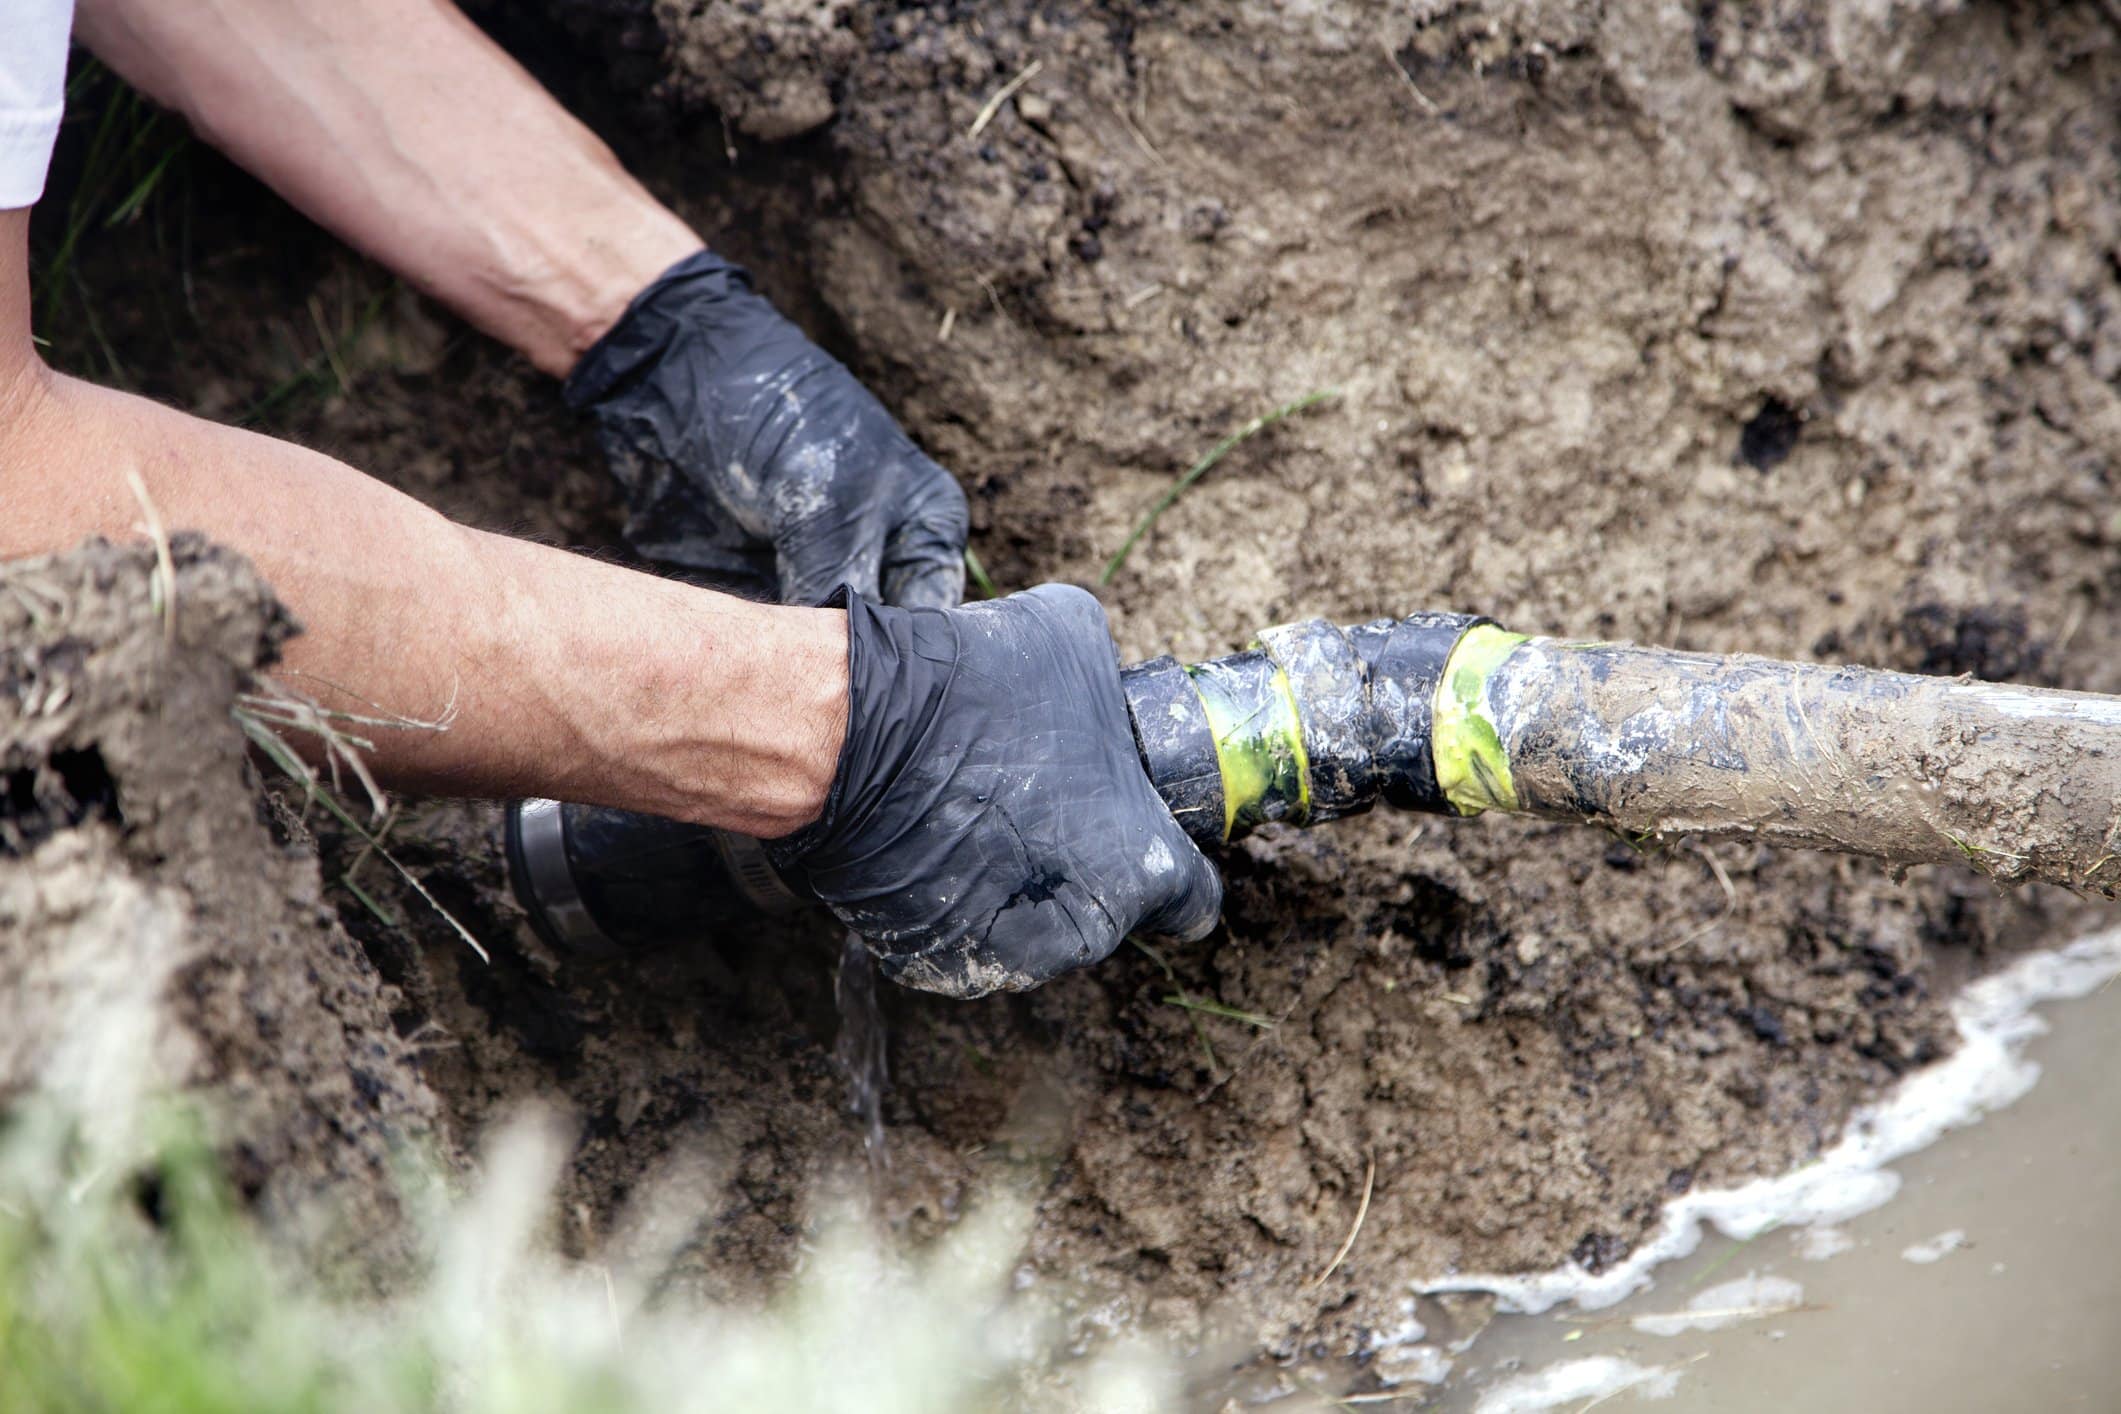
[{"x": 860, "y": 1045}]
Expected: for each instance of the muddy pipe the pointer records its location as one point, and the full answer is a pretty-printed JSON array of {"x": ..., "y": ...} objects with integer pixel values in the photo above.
[{"x": 1455, "y": 715}]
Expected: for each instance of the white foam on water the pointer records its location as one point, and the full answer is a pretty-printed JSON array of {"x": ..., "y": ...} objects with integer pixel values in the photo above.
[
  {"x": 1985, "y": 1073},
  {"x": 1936, "y": 1249},
  {"x": 1749, "y": 1298},
  {"x": 1413, "y": 1364},
  {"x": 1822, "y": 1241},
  {"x": 1594, "y": 1378}
]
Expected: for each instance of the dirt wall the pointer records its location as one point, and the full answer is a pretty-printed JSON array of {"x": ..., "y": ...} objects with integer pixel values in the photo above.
[{"x": 159, "y": 938}]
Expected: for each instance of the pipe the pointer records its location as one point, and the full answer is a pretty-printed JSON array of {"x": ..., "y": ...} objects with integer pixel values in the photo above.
[
  {"x": 2021, "y": 783},
  {"x": 1452, "y": 714}
]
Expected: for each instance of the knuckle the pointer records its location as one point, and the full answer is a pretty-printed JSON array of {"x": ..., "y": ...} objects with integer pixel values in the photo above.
[
  {"x": 1077, "y": 608},
  {"x": 941, "y": 502}
]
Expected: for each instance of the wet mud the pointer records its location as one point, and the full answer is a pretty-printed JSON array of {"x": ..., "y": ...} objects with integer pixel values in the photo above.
[{"x": 1791, "y": 329}]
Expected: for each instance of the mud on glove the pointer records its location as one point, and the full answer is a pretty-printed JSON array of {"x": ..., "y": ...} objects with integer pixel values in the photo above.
[
  {"x": 990, "y": 824},
  {"x": 753, "y": 458}
]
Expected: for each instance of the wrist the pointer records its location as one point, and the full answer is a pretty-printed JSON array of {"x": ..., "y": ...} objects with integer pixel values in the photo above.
[
  {"x": 662, "y": 326},
  {"x": 651, "y": 695},
  {"x": 800, "y": 720},
  {"x": 551, "y": 295},
  {"x": 587, "y": 302},
  {"x": 743, "y": 731}
]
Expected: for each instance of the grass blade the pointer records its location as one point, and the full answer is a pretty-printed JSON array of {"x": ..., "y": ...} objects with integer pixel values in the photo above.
[
  {"x": 1201, "y": 468},
  {"x": 312, "y": 369},
  {"x": 978, "y": 573},
  {"x": 129, "y": 209},
  {"x": 290, "y": 761},
  {"x": 1227, "y": 1013},
  {"x": 383, "y": 915}
]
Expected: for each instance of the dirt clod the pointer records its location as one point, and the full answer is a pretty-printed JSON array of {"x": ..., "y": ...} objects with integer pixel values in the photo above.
[{"x": 153, "y": 931}]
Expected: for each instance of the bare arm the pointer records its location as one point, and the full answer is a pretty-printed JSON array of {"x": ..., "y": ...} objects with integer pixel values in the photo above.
[
  {"x": 403, "y": 129},
  {"x": 413, "y": 137},
  {"x": 569, "y": 678}
]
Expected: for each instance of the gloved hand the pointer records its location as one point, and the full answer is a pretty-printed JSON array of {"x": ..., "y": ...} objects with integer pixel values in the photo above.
[
  {"x": 990, "y": 824},
  {"x": 753, "y": 457}
]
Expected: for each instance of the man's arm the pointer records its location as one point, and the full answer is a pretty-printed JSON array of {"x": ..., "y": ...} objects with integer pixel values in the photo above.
[
  {"x": 567, "y": 677},
  {"x": 411, "y": 135},
  {"x": 749, "y": 456}
]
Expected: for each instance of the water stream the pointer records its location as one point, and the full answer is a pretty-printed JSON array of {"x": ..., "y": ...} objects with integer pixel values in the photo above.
[
  {"x": 1925, "y": 1262},
  {"x": 859, "y": 1047}
]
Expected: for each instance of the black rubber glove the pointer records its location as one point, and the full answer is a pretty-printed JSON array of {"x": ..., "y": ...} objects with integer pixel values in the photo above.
[
  {"x": 753, "y": 458},
  {"x": 990, "y": 824}
]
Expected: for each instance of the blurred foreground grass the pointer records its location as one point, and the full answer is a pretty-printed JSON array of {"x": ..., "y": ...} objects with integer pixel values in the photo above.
[{"x": 140, "y": 1285}]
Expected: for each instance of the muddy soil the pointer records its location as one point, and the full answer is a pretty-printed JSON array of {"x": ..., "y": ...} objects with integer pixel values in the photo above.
[
  {"x": 158, "y": 930},
  {"x": 1789, "y": 328}
]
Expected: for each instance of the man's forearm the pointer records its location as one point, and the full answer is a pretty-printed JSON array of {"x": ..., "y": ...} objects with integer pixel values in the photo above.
[
  {"x": 562, "y": 676},
  {"x": 407, "y": 132}
]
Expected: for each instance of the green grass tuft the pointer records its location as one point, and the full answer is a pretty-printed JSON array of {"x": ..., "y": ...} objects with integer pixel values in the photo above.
[
  {"x": 324, "y": 369},
  {"x": 133, "y": 154},
  {"x": 131, "y": 1279}
]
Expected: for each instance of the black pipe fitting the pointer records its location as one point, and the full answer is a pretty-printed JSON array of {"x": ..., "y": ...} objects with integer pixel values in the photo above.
[
  {"x": 1405, "y": 660},
  {"x": 1177, "y": 745}
]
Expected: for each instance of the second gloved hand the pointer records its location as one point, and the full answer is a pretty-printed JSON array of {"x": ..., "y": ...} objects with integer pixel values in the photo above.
[
  {"x": 754, "y": 458},
  {"x": 990, "y": 824}
]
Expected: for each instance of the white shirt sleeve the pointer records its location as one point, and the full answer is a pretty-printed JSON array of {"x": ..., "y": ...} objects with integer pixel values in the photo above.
[{"x": 33, "y": 37}]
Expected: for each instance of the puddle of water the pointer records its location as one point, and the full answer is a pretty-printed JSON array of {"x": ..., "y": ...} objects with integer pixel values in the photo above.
[{"x": 1989, "y": 1282}]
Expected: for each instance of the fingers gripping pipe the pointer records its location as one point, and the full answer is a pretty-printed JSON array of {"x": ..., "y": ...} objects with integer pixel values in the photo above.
[{"x": 1312, "y": 723}]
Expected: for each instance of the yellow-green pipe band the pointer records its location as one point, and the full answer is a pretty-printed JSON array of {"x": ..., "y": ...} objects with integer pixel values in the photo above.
[
  {"x": 1259, "y": 741},
  {"x": 1472, "y": 765}
]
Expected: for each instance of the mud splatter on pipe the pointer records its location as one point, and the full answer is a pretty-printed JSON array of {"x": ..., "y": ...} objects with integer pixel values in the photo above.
[{"x": 2021, "y": 783}]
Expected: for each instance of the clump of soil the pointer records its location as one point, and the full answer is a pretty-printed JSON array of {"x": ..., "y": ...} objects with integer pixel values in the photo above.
[
  {"x": 1792, "y": 329},
  {"x": 156, "y": 936}
]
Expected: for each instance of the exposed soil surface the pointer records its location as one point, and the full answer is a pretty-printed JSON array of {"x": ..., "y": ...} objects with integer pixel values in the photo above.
[
  {"x": 1789, "y": 328},
  {"x": 156, "y": 930}
]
